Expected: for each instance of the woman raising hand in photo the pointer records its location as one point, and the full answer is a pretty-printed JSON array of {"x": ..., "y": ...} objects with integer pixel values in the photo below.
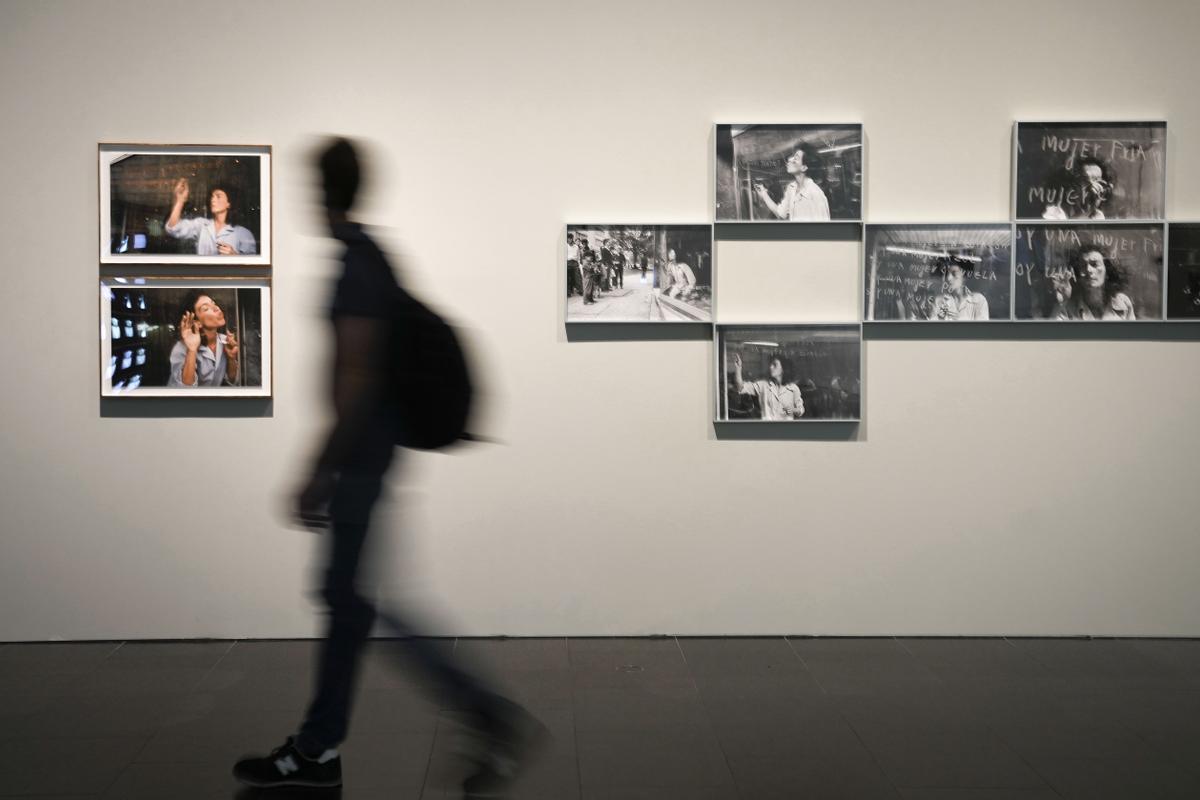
[{"x": 203, "y": 356}]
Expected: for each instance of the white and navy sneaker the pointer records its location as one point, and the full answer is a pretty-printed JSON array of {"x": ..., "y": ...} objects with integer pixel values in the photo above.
[{"x": 287, "y": 766}]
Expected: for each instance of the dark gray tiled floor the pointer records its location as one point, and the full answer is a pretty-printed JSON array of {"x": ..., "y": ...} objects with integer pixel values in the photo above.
[{"x": 631, "y": 719}]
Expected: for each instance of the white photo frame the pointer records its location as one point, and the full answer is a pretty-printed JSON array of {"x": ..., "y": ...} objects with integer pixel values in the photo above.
[
  {"x": 905, "y": 265},
  {"x": 137, "y": 196},
  {"x": 659, "y": 292},
  {"x": 139, "y": 326},
  {"x": 823, "y": 365},
  {"x": 753, "y": 160},
  {"x": 1093, "y": 172},
  {"x": 1051, "y": 273},
  {"x": 1182, "y": 288}
]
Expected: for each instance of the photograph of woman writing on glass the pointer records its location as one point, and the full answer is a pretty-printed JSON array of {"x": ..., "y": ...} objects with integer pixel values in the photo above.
[
  {"x": 1098, "y": 290},
  {"x": 214, "y": 235},
  {"x": 203, "y": 356},
  {"x": 957, "y": 302}
]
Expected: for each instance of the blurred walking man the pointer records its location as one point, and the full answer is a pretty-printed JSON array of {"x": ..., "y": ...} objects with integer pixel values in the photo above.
[{"x": 343, "y": 487}]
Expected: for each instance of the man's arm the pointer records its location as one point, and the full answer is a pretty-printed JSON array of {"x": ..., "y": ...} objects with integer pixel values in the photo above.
[
  {"x": 360, "y": 343},
  {"x": 358, "y": 382}
]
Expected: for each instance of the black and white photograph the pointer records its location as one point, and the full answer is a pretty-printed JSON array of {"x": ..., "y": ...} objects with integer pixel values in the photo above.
[
  {"x": 185, "y": 204},
  {"x": 1183, "y": 270},
  {"x": 789, "y": 373},
  {"x": 937, "y": 273},
  {"x": 162, "y": 337},
  {"x": 1072, "y": 273},
  {"x": 789, "y": 173},
  {"x": 1090, "y": 170},
  {"x": 639, "y": 273}
]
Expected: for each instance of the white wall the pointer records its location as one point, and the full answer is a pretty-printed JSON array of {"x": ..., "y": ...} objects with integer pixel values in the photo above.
[{"x": 1024, "y": 485}]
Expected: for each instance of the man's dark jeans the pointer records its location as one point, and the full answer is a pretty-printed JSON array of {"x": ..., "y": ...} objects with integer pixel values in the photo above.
[{"x": 351, "y": 617}]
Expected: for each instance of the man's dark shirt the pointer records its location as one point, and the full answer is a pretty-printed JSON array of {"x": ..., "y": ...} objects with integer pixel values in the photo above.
[{"x": 368, "y": 288}]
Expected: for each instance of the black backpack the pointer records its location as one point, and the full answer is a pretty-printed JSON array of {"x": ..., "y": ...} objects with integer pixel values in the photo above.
[{"x": 432, "y": 382}]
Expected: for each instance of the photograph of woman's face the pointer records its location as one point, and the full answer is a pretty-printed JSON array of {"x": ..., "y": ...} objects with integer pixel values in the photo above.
[
  {"x": 208, "y": 313},
  {"x": 954, "y": 277},
  {"x": 218, "y": 201},
  {"x": 1092, "y": 270}
]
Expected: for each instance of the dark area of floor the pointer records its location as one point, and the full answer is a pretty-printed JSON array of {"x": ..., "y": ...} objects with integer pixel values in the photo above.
[{"x": 632, "y": 719}]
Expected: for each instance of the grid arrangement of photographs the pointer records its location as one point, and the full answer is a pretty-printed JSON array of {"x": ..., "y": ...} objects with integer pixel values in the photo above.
[
  {"x": 206, "y": 208},
  {"x": 1087, "y": 240},
  {"x": 1089, "y": 229}
]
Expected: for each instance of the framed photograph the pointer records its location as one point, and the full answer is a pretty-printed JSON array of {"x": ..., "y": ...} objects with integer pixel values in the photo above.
[
  {"x": 188, "y": 204},
  {"x": 937, "y": 273},
  {"x": 1183, "y": 270},
  {"x": 1089, "y": 170},
  {"x": 1088, "y": 272},
  {"x": 789, "y": 173},
  {"x": 789, "y": 373},
  {"x": 639, "y": 273},
  {"x": 169, "y": 337}
]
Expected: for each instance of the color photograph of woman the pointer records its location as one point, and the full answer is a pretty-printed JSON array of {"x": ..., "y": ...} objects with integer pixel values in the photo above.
[
  {"x": 198, "y": 207},
  {"x": 162, "y": 338}
]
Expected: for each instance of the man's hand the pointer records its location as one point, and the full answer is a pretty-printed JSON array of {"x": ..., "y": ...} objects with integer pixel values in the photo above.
[
  {"x": 181, "y": 191},
  {"x": 737, "y": 361},
  {"x": 311, "y": 502}
]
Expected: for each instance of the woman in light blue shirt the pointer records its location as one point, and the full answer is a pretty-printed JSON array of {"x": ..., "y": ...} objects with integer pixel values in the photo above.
[
  {"x": 214, "y": 236},
  {"x": 203, "y": 356}
]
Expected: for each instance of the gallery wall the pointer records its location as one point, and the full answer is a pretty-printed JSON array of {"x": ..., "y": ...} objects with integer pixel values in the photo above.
[{"x": 1004, "y": 480}]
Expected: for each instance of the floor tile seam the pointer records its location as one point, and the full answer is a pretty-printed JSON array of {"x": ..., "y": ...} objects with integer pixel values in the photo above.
[
  {"x": 128, "y": 766},
  {"x": 1054, "y": 671},
  {"x": 196, "y": 686},
  {"x": 437, "y": 726},
  {"x": 708, "y": 719},
  {"x": 1186, "y": 766},
  {"x": 1099, "y": 760},
  {"x": 871, "y": 754},
  {"x": 921, "y": 664},
  {"x": 1027, "y": 762},
  {"x": 574, "y": 723},
  {"x": 804, "y": 664}
]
